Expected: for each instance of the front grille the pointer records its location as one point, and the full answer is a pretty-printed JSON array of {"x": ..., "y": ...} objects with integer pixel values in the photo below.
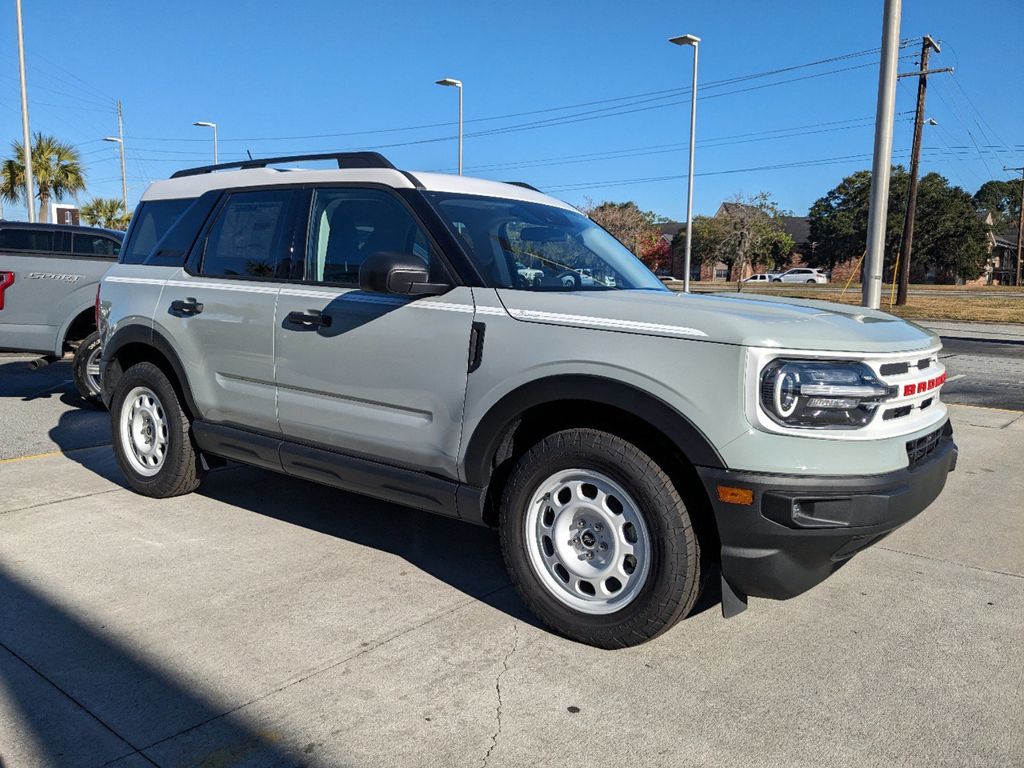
[{"x": 920, "y": 449}]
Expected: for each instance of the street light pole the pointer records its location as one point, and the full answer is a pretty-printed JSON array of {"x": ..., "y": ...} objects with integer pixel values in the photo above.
[
  {"x": 695, "y": 42},
  {"x": 25, "y": 135},
  {"x": 120, "y": 142},
  {"x": 457, "y": 84},
  {"x": 205, "y": 124},
  {"x": 881, "y": 167}
]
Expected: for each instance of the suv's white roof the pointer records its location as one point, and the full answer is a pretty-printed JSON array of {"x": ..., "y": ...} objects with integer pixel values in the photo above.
[{"x": 193, "y": 186}]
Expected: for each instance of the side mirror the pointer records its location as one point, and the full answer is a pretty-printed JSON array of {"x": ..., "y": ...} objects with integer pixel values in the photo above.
[{"x": 401, "y": 273}]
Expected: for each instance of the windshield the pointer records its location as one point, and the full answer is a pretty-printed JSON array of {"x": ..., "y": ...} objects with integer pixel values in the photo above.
[{"x": 534, "y": 247}]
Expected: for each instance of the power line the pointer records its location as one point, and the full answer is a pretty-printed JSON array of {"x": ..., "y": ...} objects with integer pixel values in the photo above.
[{"x": 637, "y": 98}]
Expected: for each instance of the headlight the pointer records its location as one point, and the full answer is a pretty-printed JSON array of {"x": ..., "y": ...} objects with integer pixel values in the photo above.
[{"x": 821, "y": 394}]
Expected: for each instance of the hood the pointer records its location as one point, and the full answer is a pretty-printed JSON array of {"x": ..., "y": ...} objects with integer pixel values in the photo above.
[{"x": 746, "y": 320}]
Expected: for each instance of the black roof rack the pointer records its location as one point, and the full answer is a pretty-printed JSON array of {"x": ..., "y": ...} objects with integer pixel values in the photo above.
[
  {"x": 523, "y": 184},
  {"x": 344, "y": 159}
]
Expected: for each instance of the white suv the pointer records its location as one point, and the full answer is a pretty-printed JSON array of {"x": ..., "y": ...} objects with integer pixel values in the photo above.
[{"x": 801, "y": 275}]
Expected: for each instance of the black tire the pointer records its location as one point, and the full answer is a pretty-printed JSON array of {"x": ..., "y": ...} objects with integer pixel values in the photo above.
[
  {"x": 88, "y": 351},
  {"x": 777, "y": 280},
  {"x": 673, "y": 580},
  {"x": 181, "y": 470},
  {"x": 812, "y": 281}
]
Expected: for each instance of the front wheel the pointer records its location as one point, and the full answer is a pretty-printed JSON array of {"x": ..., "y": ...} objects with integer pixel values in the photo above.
[
  {"x": 812, "y": 281},
  {"x": 85, "y": 368},
  {"x": 151, "y": 432},
  {"x": 597, "y": 540}
]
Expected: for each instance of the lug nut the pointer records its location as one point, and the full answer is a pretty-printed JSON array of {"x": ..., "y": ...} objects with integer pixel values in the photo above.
[
  {"x": 590, "y": 555},
  {"x": 603, "y": 546},
  {"x": 598, "y": 526},
  {"x": 581, "y": 523}
]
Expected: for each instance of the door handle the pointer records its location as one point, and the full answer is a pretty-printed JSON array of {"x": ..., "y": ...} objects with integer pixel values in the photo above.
[
  {"x": 310, "y": 320},
  {"x": 186, "y": 307}
]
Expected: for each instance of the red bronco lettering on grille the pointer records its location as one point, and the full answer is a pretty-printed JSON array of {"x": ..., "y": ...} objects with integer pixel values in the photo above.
[{"x": 923, "y": 386}]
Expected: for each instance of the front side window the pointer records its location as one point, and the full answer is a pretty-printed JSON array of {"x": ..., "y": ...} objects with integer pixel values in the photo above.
[
  {"x": 14, "y": 239},
  {"x": 94, "y": 245},
  {"x": 530, "y": 246},
  {"x": 348, "y": 224},
  {"x": 251, "y": 237}
]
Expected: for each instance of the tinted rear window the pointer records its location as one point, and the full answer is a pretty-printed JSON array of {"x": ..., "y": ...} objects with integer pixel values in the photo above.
[
  {"x": 95, "y": 245},
  {"x": 14, "y": 239},
  {"x": 150, "y": 223}
]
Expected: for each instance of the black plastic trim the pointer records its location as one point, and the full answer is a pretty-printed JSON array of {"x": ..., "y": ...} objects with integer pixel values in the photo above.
[
  {"x": 800, "y": 529},
  {"x": 138, "y": 334},
  {"x": 484, "y": 442},
  {"x": 476, "y": 345},
  {"x": 345, "y": 160},
  {"x": 398, "y": 485}
]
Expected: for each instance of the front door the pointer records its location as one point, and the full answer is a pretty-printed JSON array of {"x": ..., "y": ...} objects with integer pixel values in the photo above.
[
  {"x": 371, "y": 374},
  {"x": 220, "y": 310}
]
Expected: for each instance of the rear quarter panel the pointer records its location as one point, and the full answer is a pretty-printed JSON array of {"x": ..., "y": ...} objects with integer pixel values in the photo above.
[{"x": 47, "y": 294}]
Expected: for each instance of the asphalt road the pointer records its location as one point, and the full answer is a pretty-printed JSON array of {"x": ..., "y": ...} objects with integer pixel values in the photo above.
[{"x": 264, "y": 621}]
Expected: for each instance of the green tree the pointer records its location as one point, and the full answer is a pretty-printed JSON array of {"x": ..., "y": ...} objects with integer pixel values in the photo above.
[
  {"x": 746, "y": 230},
  {"x": 1001, "y": 199},
  {"x": 56, "y": 170},
  {"x": 106, "y": 212},
  {"x": 839, "y": 220},
  {"x": 949, "y": 235}
]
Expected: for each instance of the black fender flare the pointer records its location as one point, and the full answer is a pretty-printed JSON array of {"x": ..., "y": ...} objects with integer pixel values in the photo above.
[
  {"x": 486, "y": 438},
  {"x": 138, "y": 334}
]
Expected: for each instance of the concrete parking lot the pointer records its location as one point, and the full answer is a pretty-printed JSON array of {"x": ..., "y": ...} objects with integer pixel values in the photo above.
[{"x": 266, "y": 621}]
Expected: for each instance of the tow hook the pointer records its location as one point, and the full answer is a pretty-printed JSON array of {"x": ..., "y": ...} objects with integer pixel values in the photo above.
[{"x": 42, "y": 362}]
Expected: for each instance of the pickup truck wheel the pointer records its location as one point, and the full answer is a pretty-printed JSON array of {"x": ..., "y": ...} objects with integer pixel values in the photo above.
[
  {"x": 151, "y": 435},
  {"x": 597, "y": 540},
  {"x": 85, "y": 368}
]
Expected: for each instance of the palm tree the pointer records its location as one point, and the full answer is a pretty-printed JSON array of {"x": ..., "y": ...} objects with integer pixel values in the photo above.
[
  {"x": 106, "y": 212},
  {"x": 56, "y": 169}
]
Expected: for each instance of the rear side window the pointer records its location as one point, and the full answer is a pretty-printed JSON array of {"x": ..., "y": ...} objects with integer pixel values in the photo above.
[
  {"x": 251, "y": 235},
  {"x": 150, "y": 222},
  {"x": 95, "y": 245},
  {"x": 14, "y": 239}
]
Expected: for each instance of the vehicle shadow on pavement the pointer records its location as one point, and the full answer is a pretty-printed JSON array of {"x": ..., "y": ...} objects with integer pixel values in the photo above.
[
  {"x": 85, "y": 699},
  {"x": 464, "y": 556},
  {"x": 19, "y": 379}
]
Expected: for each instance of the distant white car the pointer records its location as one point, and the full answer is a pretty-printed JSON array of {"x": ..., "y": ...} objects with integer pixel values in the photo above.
[
  {"x": 764, "y": 277},
  {"x": 801, "y": 275},
  {"x": 529, "y": 274}
]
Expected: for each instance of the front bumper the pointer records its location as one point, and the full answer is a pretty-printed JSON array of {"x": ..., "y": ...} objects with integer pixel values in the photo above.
[{"x": 798, "y": 530}]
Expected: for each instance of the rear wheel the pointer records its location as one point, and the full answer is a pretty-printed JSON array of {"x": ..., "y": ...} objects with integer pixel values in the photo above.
[
  {"x": 812, "y": 281},
  {"x": 597, "y": 539},
  {"x": 151, "y": 434},
  {"x": 85, "y": 368}
]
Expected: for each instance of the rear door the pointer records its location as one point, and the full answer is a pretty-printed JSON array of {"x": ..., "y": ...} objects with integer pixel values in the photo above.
[
  {"x": 371, "y": 374},
  {"x": 219, "y": 310}
]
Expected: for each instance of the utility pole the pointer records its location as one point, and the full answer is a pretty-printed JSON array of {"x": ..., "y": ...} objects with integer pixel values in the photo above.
[
  {"x": 25, "y": 135},
  {"x": 881, "y": 166},
  {"x": 120, "y": 136},
  {"x": 1020, "y": 219},
  {"x": 907, "y": 243}
]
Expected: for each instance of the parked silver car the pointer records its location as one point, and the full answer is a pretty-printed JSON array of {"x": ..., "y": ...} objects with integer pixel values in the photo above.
[
  {"x": 368, "y": 328},
  {"x": 48, "y": 279}
]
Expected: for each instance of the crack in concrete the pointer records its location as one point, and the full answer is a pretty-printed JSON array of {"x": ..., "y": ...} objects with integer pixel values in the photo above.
[{"x": 497, "y": 690}]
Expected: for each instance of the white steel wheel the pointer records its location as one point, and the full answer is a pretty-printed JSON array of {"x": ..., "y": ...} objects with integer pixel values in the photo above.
[
  {"x": 143, "y": 431},
  {"x": 587, "y": 541}
]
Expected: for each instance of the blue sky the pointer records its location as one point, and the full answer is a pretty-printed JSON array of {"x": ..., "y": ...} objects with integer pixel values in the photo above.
[{"x": 271, "y": 73}]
